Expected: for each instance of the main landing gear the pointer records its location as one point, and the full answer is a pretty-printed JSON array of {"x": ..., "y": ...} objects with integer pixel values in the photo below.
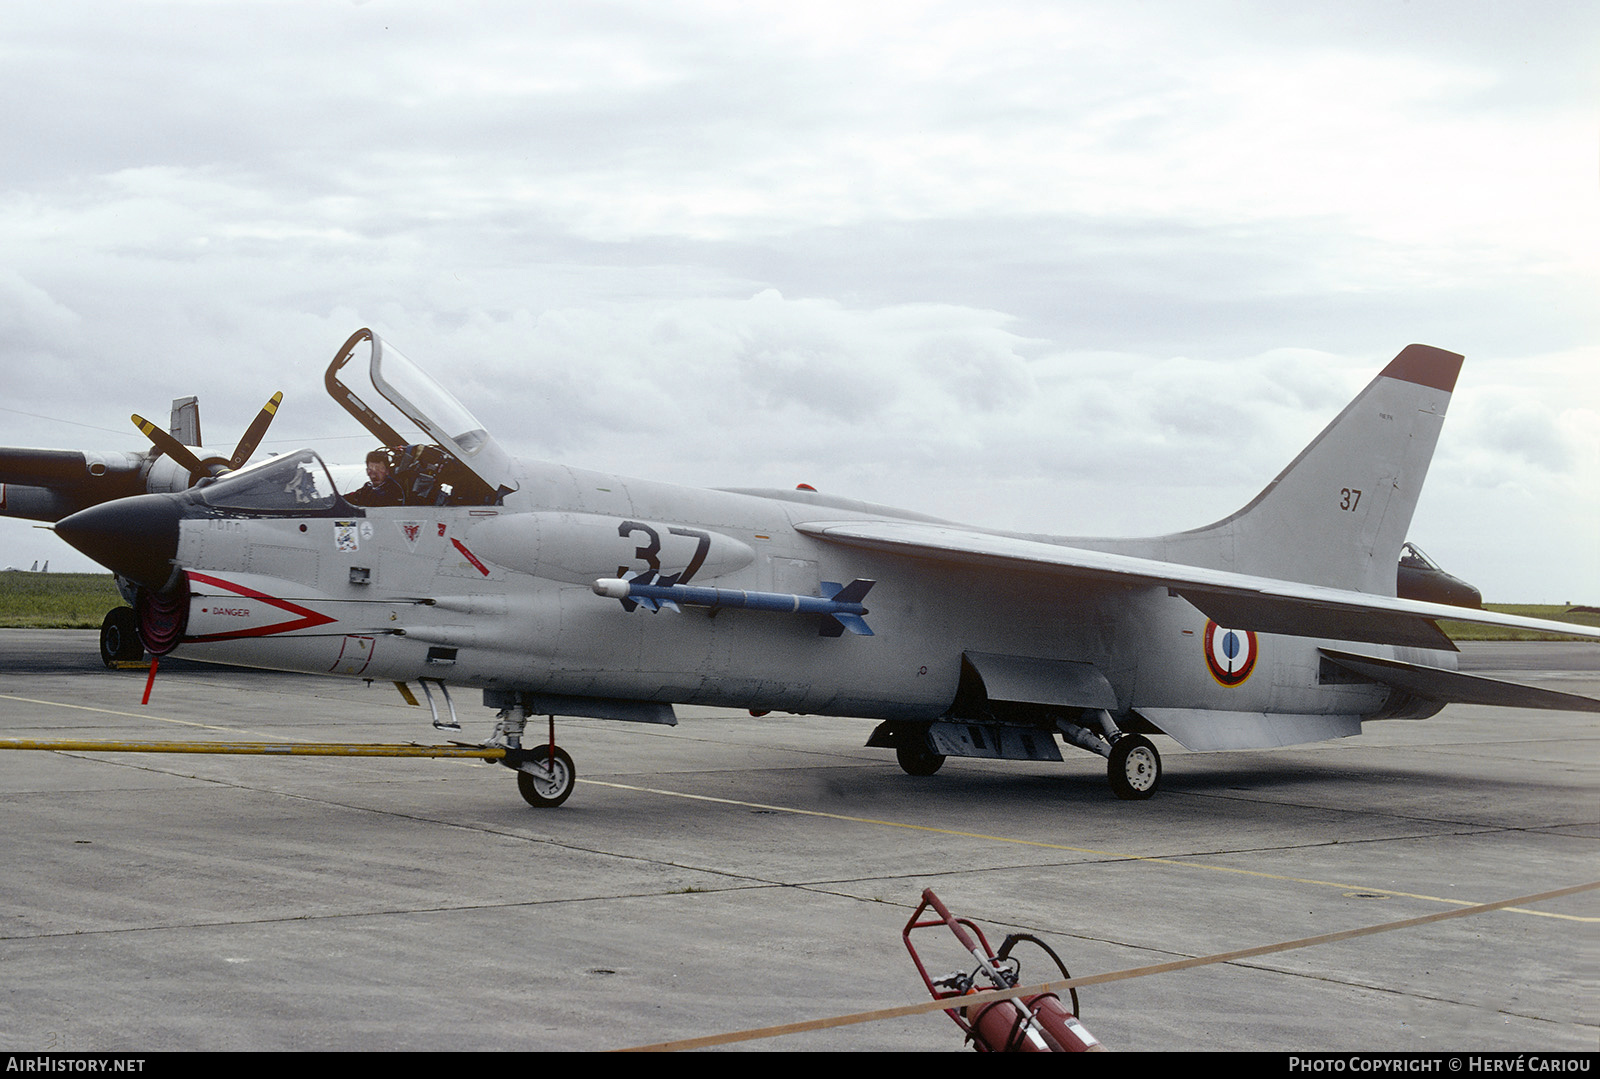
[
  {"x": 1132, "y": 764},
  {"x": 1134, "y": 767},
  {"x": 545, "y": 774},
  {"x": 916, "y": 759}
]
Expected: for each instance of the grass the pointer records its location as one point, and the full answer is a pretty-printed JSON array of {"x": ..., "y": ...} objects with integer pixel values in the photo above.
[
  {"x": 1556, "y": 612},
  {"x": 56, "y": 600},
  {"x": 81, "y": 600}
]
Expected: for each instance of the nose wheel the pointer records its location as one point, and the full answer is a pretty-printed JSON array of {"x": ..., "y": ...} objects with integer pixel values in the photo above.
[
  {"x": 1134, "y": 767},
  {"x": 545, "y": 781},
  {"x": 545, "y": 775}
]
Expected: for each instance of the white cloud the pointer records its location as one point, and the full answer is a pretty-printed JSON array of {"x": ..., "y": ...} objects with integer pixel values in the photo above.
[{"x": 1073, "y": 266}]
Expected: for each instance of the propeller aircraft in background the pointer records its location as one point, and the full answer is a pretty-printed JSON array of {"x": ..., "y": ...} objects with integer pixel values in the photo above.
[
  {"x": 47, "y": 485},
  {"x": 558, "y": 591}
]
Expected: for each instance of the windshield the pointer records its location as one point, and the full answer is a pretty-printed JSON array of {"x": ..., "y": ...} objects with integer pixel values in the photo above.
[
  {"x": 294, "y": 483},
  {"x": 1412, "y": 557}
]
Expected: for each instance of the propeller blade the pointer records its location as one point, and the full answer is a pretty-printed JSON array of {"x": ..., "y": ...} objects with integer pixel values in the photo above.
[
  {"x": 252, "y": 436},
  {"x": 171, "y": 447}
]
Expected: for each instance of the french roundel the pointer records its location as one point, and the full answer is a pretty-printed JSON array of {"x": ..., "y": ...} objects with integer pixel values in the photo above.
[{"x": 1230, "y": 653}]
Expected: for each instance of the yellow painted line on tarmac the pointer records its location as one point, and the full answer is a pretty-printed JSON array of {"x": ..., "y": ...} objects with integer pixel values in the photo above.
[{"x": 1118, "y": 855}]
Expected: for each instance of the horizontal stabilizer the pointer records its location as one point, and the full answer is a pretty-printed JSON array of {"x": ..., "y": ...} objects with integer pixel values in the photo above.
[{"x": 1453, "y": 687}]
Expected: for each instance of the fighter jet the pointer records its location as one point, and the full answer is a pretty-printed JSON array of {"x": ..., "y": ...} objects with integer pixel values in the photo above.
[{"x": 562, "y": 592}]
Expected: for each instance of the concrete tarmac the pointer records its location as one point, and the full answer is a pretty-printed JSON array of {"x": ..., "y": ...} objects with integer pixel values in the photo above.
[{"x": 735, "y": 872}]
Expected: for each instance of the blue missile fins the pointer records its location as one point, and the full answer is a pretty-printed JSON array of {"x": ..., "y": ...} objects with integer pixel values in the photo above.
[
  {"x": 847, "y": 615},
  {"x": 839, "y": 605}
]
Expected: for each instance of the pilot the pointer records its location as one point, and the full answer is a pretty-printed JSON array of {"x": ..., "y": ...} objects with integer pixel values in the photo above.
[{"x": 381, "y": 488}]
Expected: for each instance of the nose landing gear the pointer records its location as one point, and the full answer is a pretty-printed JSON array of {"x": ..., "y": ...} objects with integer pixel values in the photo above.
[
  {"x": 545, "y": 774},
  {"x": 545, "y": 781}
]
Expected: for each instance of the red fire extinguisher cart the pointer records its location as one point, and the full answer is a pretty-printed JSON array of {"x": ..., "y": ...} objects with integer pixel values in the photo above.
[{"x": 1032, "y": 1024}]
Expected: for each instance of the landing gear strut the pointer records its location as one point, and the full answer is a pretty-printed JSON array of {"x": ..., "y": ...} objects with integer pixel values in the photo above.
[
  {"x": 1132, "y": 764},
  {"x": 545, "y": 775}
]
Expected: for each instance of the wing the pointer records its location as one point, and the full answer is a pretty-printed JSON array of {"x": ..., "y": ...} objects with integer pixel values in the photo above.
[
  {"x": 47, "y": 485},
  {"x": 1238, "y": 600}
]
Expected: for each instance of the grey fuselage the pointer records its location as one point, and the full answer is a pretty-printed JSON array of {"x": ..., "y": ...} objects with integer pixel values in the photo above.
[{"x": 500, "y": 598}]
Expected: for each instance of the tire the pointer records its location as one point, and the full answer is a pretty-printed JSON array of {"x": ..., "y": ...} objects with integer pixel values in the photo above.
[
  {"x": 916, "y": 759},
  {"x": 548, "y": 793},
  {"x": 119, "y": 637},
  {"x": 1134, "y": 767}
]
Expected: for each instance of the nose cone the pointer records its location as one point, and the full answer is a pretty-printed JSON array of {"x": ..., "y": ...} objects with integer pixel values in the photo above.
[{"x": 136, "y": 538}]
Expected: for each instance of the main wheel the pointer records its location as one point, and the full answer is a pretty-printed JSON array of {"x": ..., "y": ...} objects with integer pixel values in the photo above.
[
  {"x": 1134, "y": 767},
  {"x": 119, "y": 637},
  {"x": 916, "y": 759},
  {"x": 547, "y": 793}
]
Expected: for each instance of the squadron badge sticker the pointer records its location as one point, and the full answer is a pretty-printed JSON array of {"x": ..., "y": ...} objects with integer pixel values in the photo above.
[{"x": 1230, "y": 653}]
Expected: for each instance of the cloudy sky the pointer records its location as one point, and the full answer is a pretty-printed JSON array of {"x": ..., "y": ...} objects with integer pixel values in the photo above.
[{"x": 1070, "y": 266}]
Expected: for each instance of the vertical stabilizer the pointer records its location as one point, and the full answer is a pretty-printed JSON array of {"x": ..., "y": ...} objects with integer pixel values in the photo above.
[
  {"x": 185, "y": 423},
  {"x": 1338, "y": 514}
]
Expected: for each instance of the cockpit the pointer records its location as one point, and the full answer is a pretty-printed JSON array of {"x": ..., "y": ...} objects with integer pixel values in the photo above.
[
  {"x": 447, "y": 459},
  {"x": 418, "y": 475},
  {"x": 1419, "y": 577}
]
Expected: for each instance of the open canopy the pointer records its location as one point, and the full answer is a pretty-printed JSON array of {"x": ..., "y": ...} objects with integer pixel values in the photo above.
[{"x": 398, "y": 396}]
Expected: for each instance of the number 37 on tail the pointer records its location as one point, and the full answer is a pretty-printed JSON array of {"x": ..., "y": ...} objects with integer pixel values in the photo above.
[{"x": 561, "y": 592}]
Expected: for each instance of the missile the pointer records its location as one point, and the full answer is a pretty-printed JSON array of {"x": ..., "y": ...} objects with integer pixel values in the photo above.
[{"x": 839, "y": 604}]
